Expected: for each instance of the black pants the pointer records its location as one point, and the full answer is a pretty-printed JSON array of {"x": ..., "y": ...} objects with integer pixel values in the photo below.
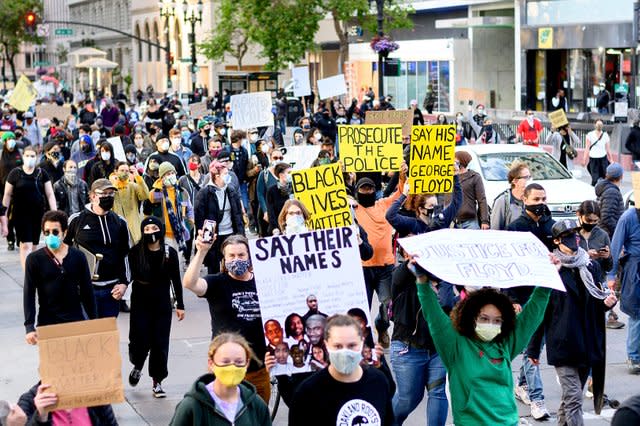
[
  {"x": 214, "y": 257},
  {"x": 149, "y": 330},
  {"x": 597, "y": 168},
  {"x": 189, "y": 245}
]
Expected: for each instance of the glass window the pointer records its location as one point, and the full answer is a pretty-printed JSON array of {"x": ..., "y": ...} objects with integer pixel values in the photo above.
[
  {"x": 542, "y": 166},
  {"x": 562, "y": 12},
  {"x": 422, "y": 82},
  {"x": 412, "y": 82},
  {"x": 443, "y": 86}
]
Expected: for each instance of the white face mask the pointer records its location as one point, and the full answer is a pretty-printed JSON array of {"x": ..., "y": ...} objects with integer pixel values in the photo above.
[
  {"x": 30, "y": 162},
  {"x": 317, "y": 136},
  {"x": 253, "y": 137},
  {"x": 106, "y": 156},
  {"x": 488, "y": 332},
  {"x": 164, "y": 146},
  {"x": 223, "y": 131},
  {"x": 175, "y": 143}
]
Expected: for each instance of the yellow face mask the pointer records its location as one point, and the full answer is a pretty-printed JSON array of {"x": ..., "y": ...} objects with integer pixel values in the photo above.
[{"x": 229, "y": 375}]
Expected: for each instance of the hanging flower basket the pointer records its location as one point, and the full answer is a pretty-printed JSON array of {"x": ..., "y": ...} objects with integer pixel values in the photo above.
[{"x": 383, "y": 45}]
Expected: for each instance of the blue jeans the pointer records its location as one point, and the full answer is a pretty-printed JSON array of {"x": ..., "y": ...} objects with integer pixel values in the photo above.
[
  {"x": 378, "y": 278},
  {"x": 530, "y": 375},
  {"x": 106, "y": 305},
  {"x": 633, "y": 340},
  {"x": 468, "y": 224},
  {"x": 417, "y": 370},
  {"x": 282, "y": 125},
  {"x": 244, "y": 194}
]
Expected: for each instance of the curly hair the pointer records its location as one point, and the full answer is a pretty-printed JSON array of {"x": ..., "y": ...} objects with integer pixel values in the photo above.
[
  {"x": 415, "y": 201},
  {"x": 465, "y": 313}
]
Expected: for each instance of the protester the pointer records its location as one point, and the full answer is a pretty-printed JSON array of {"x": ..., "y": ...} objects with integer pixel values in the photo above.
[
  {"x": 508, "y": 206},
  {"x": 529, "y": 129},
  {"x": 163, "y": 154},
  {"x": 175, "y": 138},
  {"x": 192, "y": 183},
  {"x": 104, "y": 164},
  {"x": 357, "y": 395},
  {"x": 71, "y": 193},
  {"x": 597, "y": 154},
  {"x": 155, "y": 269},
  {"x": 52, "y": 162},
  {"x": 293, "y": 218},
  {"x": 240, "y": 159},
  {"x": 565, "y": 144},
  {"x": 610, "y": 198},
  {"x": 418, "y": 117},
  {"x": 59, "y": 276},
  {"x": 278, "y": 194},
  {"x": 223, "y": 396},
  {"x": 215, "y": 148},
  {"x": 84, "y": 155},
  {"x": 482, "y": 126},
  {"x": 474, "y": 212},
  {"x": 10, "y": 159},
  {"x": 131, "y": 191},
  {"x": 233, "y": 300},
  {"x": 143, "y": 146},
  {"x": 266, "y": 179},
  {"x": 28, "y": 193},
  {"x": 99, "y": 230}
]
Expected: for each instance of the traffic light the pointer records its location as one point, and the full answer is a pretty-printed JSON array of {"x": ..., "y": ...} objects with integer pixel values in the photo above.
[
  {"x": 174, "y": 71},
  {"x": 171, "y": 58},
  {"x": 30, "y": 22}
]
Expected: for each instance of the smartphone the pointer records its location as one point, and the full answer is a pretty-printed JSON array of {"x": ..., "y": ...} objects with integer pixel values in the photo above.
[
  {"x": 416, "y": 269},
  {"x": 208, "y": 231},
  {"x": 602, "y": 250}
]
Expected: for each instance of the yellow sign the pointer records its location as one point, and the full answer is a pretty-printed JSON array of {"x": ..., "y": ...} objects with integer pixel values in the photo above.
[
  {"x": 432, "y": 159},
  {"x": 371, "y": 148},
  {"x": 545, "y": 38},
  {"x": 635, "y": 184},
  {"x": 558, "y": 119},
  {"x": 23, "y": 94},
  {"x": 322, "y": 191}
]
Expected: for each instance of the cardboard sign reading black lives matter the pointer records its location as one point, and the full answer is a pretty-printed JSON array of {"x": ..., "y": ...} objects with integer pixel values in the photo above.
[{"x": 432, "y": 159}]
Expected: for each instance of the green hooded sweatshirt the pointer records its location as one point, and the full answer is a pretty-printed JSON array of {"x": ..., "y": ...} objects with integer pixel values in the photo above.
[
  {"x": 481, "y": 382},
  {"x": 199, "y": 409}
]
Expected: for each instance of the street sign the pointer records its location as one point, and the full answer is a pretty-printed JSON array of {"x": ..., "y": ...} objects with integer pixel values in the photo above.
[
  {"x": 42, "y": 30},
  {"x": 41, "y": 64},
  {"x": 185, "y": 60},
  {"x": 63, "y": 31}
]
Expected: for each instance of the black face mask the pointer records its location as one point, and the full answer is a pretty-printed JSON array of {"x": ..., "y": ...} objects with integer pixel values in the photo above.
[
  {"x": 537, "y": 209},
  {"x": 106, "y": 203},
  {"x": 86, "y": 148},
  {"x": 366, "y": 200},
  {"x": 588, "y": 226},
  {"x": 152, "y": 237},
  {"x": 570, "y": 241}
]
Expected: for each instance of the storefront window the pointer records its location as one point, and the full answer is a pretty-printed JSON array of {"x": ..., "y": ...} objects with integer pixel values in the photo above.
[
  {"x": 563, "y": 12},
  {"x": 416, "y": 79}
]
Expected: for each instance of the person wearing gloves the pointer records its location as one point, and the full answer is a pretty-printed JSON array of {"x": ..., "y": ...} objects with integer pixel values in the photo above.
[{"x": 132, "y": 190}]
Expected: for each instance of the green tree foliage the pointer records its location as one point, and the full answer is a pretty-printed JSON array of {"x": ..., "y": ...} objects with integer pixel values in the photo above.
[{"x": 12, "y": 29}]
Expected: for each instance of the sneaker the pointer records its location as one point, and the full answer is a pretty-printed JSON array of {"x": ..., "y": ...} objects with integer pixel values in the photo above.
[
  {"x": 157, "y": 391},
  {"x": 522, "y": 394},
  {"x": 589, "y": 392},
  {"x": 633, "y": 366},
  {"x": 539, "y": 410},
  {"x": 613, "y": 323},
  {"x": 134, "y": 376},
  {"x": 12, "y": 246},
  {"x": 384, "y": 339}
]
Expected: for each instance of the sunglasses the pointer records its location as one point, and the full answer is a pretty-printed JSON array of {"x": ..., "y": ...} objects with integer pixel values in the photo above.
[{"x": 55, "y": 232}]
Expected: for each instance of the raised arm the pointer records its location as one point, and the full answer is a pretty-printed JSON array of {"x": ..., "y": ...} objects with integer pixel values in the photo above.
[{"x": 192, "y": 280}]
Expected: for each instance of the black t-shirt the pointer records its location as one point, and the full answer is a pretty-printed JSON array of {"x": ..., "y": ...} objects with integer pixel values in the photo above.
[
  {"x": 28, "y": 190},
  {"x": 234, "y": 307},
  {"x": 365, "y": 402}
]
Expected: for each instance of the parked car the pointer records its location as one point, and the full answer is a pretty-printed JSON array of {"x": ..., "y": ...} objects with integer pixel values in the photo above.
[{"x": 564, "y": 191}]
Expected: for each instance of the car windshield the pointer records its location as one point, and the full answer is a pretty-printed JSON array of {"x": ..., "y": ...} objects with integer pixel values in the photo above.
[{"x": 542, "y": 166}]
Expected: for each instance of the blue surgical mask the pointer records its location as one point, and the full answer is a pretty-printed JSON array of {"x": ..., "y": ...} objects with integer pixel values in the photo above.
[
  {"x": 345, "y": 360},
  {"x": 226, "y": 179},
  {"x": 53, "y": 241}
]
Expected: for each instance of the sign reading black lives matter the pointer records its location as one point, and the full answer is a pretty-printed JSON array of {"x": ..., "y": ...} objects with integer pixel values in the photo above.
[{"x": 292, "y": 270}]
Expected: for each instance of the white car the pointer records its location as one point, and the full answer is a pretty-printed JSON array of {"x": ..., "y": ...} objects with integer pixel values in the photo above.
[{"x": 564, "y": 192}]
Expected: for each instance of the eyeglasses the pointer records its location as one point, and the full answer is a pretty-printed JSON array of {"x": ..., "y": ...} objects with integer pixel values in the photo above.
[
  {"x": 106, "y": 194},
  {"x": 526, "y": 177},
  {"x": 48, "y": 232},
  {"x": 278, "y": 158}
]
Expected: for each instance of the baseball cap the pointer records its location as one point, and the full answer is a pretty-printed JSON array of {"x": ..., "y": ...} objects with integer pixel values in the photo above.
[
  {"x": 28, "y": 114},
  {"x": 100, "y": 185},
  {"x": 563, "y": 227},
  {"x": 365, "y": 182},
  {"x": 614, "y": 171}
]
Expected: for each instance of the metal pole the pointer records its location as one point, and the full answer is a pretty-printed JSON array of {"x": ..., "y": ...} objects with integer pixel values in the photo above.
[
  {"x": 380, "y": 18},
  {"x": 168, "y": 58},
  {"x": 193, "y": 55}
]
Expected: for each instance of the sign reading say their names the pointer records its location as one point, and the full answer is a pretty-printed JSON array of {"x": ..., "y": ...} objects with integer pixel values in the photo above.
[
  {"x": 500, "y": 259},
  {"x": 322, "y": 191},
  {"x": 81, "y": 361},
  {"x": 371, "y": 148},
  {"x": 432, "y": 159},
  {"x": 251, "y": 110},
  {"x": 393, "y": 116}
]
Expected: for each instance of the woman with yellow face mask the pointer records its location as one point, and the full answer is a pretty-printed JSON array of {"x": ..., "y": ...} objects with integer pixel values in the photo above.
[{"x": 222, "y": 397}]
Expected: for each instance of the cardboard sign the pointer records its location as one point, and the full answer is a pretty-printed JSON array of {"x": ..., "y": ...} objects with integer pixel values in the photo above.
[
  {"x": 301, "y": 86},
  {"x": 81, "y": 360},
  {"x": 332, "y": 86},
  {"x": 399, "y": 116},
  {"x": 432, "y": 156},
  {"x": 500, "y": 259},
  {"x": 635, "y": 183},
  {"x": 477, "y": 96},
  {"x": 118, "y": 149},
  {"x": 198, "y": 109},
  {"x": 288, "y": 268},
  {"x": 301, "y": 156},
  {"x": 51, "y": 111},
  {"x": 558, "y": 118},
  {"x": 23, "y": 94},
  {"x": 322, "y": 191},
  {"x": 369, "y": 148},
  {"x": 251, "y": 110}
]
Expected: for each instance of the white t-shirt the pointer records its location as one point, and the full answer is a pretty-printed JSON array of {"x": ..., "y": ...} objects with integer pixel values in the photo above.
[{"x": 598, "y": 150}]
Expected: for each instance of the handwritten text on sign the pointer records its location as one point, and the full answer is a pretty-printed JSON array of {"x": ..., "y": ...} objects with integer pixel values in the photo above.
[
  {"x": 432, "y": 159},
  {"x": 371, "y": 148},
  {"x": 322, "y": 191},
  {"x": 484, "y": 258},
  {"x": 251, "y": 110}
]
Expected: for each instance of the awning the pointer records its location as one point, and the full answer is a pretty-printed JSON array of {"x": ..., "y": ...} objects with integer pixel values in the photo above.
[
  {"x": 88, "y": 51},
  {"x": 100, "y": 63}
]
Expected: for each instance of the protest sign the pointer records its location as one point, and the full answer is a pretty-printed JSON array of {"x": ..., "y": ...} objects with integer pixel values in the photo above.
[
  {"x": 118, "y": 150},
  {"x": 23, "y": 94},
  {"x": 81, "y": 361},
  {"x": 289, "y": 268},
  {"x": 500, "y": 259},
  {"x": 251, "y": 110},
  {"x": 398, "y": 116},
  {"x": 51, "y": 111},
  {"x": 558, "y": 118},
  {"x": 301, "y": 86},
  {"x": 198, "y": 109},
  {"x": 322, "y": 191},
  {"x": 332, "y": 86},
  {"x": 302, "y": 156},
  {"x": 476, "y": 96},
  {"x": 432, "y": 156},
  {"x": 635, "y": 184},
  {"x": 371, "y": 148}
]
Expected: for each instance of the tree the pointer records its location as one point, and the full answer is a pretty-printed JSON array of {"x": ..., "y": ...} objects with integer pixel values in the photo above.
[
  {"x": 12, "y": 29},
  {"x": 231, "y": 34}
]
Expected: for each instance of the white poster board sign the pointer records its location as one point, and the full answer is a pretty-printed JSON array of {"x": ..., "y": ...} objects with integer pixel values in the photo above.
[
  {"x": 301, "y": 86},
  {"x": 301, "y": 157},
  {"x": 118, "y": 149},
  {"x": 500, "y": 259},
  {"x": 198, "y": 109},
  {"x": 332, "y": 86},
  {"x": 251, "y": 110},
  {"x": 289, "y": 268}
]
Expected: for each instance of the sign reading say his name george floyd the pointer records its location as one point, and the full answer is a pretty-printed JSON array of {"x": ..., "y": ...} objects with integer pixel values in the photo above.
[
  {"x": 323, "y": 263},
  {"x": 81, "y": 361},
  {"x": 370, "y": 148},
  {"x": 484, "y": 258},
  {"x": 432, "y": 159},
  {"x": 322, "y": 191}
]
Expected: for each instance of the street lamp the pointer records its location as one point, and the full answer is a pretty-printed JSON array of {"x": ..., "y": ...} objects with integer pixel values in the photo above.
[
  {"x": 167, "y": 11},
  {"x": 380, "y": 19},
  {"x": 193, "y": 18}
]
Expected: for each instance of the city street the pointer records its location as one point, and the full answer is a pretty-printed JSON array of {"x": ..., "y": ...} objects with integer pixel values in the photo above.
[{"x": 188, "y": 351}]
